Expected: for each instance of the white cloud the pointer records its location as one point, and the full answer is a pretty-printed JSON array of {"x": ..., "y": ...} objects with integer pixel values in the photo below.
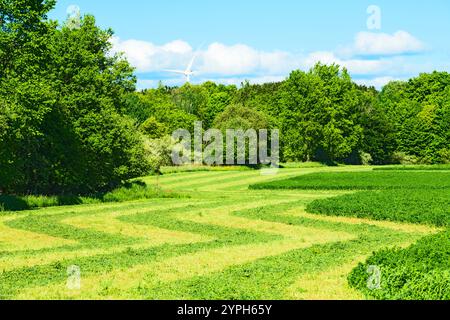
[
  {"x": 178, "y": 46},
  {"x": 378, "y": 82},
  {"x": 354, "y": 66},
  {"x": 372, "y": 43},
  {"x": 232, "y": 64},
  {"x": 229, "y": 60},
  {"x": 217, "y": 59},
  {"x": 178, "y": 81},
  {"x": 148, "y": 57}
]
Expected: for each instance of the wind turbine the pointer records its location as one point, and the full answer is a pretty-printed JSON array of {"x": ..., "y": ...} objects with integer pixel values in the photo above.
[{"x": 188, "y": 73}]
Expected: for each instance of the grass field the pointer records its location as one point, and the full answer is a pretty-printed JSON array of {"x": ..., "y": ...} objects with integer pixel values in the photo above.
[
  {"x": 419, "y": 272},
  {"x": 374, "y": 180},
  {"x": 221, "y": 241}
]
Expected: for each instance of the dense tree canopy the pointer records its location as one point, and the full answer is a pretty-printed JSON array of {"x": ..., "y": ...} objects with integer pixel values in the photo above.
[
  {"x": 322, "y": 114},
  {"x": 419, "y": 110},
  {"x": 63, "y": 127}
]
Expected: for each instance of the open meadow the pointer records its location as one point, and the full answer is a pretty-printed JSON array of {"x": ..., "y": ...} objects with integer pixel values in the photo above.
[{"x": 217, "y": 239}]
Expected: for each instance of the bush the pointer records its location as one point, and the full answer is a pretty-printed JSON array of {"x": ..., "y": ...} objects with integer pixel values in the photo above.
[
  {"x": 366, "y": 158},
  {"x": 403, "y": 158},
  {"x": 158, "y": 152},
  {"x": 444, "y": 154}
]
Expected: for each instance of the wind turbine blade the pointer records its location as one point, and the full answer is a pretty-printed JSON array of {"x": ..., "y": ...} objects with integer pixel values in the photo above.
[
  {"x": 175, "y": 71},
  {"x": 189, "y": 67},
  {"x": 191, "y": 63}
]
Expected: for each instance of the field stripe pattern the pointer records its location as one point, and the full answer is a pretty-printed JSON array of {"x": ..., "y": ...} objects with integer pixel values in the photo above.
[{"x": 223, "y": 242}]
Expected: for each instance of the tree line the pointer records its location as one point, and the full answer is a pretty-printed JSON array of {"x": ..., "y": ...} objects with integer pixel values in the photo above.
[
  {"x": 321, "y": 113},
  {"x": 72, "y": 122}
]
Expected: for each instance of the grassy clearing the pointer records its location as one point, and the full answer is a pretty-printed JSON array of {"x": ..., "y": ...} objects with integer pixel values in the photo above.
[
  {"x": 220, "y": 242},
  {"x": 374, "y": 180}
]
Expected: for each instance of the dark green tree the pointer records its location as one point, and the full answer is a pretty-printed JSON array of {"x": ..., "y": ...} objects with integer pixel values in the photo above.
[{"x": 62, "y": 99}]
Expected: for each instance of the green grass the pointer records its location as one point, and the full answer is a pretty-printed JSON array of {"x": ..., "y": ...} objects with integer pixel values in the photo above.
[
  {"x": 418, "y": 272},
  {"x": 374, "y": 180},
  {"x": 297, "y": 165},
  {"x": 222, "y": 241},
  {"x": 415, "y": 206},
  {"x": 193, "y": 168},
  {"x": 421, "y": 271},
  {"x": 130, "y": 191},
  {"x": 437, "y": 167}
]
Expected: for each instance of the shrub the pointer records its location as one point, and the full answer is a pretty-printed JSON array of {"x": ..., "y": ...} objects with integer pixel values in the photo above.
[{"x": 403, "y": 158}]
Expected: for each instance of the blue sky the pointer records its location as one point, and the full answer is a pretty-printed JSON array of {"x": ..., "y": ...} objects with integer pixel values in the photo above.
[{"x": 263, "y": 40}]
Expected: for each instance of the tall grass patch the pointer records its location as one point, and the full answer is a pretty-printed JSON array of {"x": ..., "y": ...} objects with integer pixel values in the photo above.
[
  {"x": 128, "y": 192},
  {"x": 435, "y": 167},
  {"x": 426, "y": 206},
  {"x": 372, "y": 180}
]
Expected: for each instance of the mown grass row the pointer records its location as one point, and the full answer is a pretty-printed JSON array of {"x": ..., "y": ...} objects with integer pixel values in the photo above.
[
  {"x": 216, "y": 244},
  {"x": 138, "y": 273},
  {"x": 421, "y": 271},
  {"x": 373, "y": 180}
]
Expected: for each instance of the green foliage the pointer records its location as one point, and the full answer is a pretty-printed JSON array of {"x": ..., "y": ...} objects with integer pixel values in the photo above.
[
  {"x": 284, "y": 247},
  {"x": 420, "y": 111},
  {"x": 63, "y": 131},
  {"x": 371, "y": 180},
  {"x": 240, "y": 117},
  {"x": 322, "y": 115},
  {"x": 158, "y": 152},
  {"x": 153, "y": 129},
  {"x": 319, "y": 115},
  {"x": 137, "y": 191},
  {"x": 378, "y": 142}
]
